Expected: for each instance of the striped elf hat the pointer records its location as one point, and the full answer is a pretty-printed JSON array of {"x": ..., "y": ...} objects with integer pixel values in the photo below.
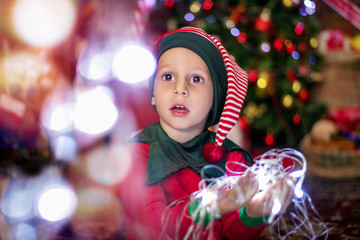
[{"x": 236, "y": 82}]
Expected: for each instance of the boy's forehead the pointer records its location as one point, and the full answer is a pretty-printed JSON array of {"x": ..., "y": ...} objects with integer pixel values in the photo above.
[{"x": 181, "y": 55}]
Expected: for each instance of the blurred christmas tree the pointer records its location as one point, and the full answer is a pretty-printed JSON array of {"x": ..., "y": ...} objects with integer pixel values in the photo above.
[{"x": 275, "y": 42}]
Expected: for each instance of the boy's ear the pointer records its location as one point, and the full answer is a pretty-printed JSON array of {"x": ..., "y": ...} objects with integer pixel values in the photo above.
[{"x": 153, "y": 100}]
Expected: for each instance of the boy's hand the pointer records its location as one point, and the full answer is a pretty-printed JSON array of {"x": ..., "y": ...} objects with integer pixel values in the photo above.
[
  {"x": 262, "y": 203},
  {"x": 236, "y": 197}
]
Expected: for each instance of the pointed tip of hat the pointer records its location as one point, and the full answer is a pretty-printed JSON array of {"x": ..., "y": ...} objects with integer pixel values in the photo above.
[{"x": 213, "y": 153}]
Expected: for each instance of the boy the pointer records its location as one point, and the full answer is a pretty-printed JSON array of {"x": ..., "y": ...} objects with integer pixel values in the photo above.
[{"x": 196, "y": 86}]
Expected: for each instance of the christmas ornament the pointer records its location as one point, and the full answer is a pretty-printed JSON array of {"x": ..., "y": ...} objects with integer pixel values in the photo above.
[
  {"x": 324, "y": 130},
  {"x": 263, "y": 23}
]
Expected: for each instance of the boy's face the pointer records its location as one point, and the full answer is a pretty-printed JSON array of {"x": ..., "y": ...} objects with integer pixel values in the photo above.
[{"x": 183, "y": 93}]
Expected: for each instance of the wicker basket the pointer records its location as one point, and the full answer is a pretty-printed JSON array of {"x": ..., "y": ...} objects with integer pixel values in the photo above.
[{"x": 329, "y": 162}]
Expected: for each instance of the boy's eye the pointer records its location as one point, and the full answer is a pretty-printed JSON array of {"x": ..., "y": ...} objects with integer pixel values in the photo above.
[
  {"x": 196, "y": 79},
  {"x": 168, "y": 77}
]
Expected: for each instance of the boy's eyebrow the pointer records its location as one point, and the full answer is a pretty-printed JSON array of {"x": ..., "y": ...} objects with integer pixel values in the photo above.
[{"x": 165, "y": 65}]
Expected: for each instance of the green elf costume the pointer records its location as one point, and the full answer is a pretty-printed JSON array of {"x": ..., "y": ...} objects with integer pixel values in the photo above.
[{"x": 164, "y": 173}]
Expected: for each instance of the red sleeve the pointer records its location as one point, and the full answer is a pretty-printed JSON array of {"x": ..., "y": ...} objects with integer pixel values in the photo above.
[
  {"x": 145, "y": 207},
  {"x": 234, "y": 229},
  {"x": 151, "y": 212}
]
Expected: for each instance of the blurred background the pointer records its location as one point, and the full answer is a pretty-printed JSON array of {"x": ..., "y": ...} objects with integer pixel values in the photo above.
[{"x": 73, "y": 90}]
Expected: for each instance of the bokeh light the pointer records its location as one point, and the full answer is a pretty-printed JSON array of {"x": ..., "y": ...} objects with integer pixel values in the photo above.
[
  {"x": 235, "y": 32},
  {"x": 24, "y": 231},
  {"x": 22, "y": 70},
  {"x": 262, "y": 81},
  {"x": 95, "y": 65},
  {"x": 57, "y": 118},
  {"x": 104, "y": 164},
  {"x": 94, "y": 111},
  {"x": 44, "y": 23},
  {"x": 64, "y": 148},
  {"x": 265, "y": 47},
  {"x": 295, "y": 55},
  {"x": 57, "y": 202},
  {"x": 15, "y": 204},
  {"x": 189, "y": 17},
  {"x": 133, "y": 64},
  {"x": 195, "y": 7}
]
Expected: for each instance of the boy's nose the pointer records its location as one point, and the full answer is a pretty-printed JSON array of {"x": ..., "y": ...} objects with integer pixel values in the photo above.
[{"x": 181, "y": 88}]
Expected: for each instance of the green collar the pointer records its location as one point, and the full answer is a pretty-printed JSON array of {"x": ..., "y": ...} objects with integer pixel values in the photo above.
[{"x": 167, "y": 156}]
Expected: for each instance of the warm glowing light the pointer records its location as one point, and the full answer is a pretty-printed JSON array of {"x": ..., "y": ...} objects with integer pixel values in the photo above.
[
  {"x": 296, "y": 86},
  {"x": 314, "y": 42},
  {"x": 287, "y": 100},
  {"x": 262, "y": 82},
  {"x": 22, "y": 70},
  {"x": 229, "y": 23},
  {"x": 288, "y": 43},
  {"x": 57, "y": 203},
  {"x": 44, "y": 23},
  {"x": 94, "y": 111},
  {"x": 195, "y": 7},
  {"x": 287, "y": 3},
  {"x": 133, "y": 64}
]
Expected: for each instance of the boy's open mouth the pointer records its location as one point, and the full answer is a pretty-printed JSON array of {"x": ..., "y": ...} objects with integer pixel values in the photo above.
[{"x": 179, "y": 108}]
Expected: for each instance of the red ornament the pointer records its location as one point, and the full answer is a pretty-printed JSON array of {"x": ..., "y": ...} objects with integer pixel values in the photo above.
[
  {"x": 296, "y": 119},
  {"x": 169, "y": 3},
  {"x": 212, "y": 153},
  {"x": 290, "y": 48},
  {"x": 253, "y": 75},
  {"x": 242, "y": 37},
  {"x": 290, "y": 74},
  {"x": 299, "y": 28},
  {"x": 278, "y": 44},
  {"x": 262, "y": 25},
  {"x": 269, "y": 139},
  {"x": 302, "y": 46},
  {"x": 208, "y": 4},
  {"x": 304, "y": 95}
]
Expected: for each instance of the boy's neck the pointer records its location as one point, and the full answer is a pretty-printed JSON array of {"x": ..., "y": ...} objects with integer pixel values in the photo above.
[{"x": 179, "y": 135}]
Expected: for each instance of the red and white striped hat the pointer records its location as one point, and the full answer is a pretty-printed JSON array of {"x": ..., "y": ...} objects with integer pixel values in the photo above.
[{"x": 237, "y": 83}]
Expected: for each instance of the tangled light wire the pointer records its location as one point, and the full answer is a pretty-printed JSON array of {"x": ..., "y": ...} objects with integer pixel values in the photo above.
[{"x": 270, "y": 167}]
